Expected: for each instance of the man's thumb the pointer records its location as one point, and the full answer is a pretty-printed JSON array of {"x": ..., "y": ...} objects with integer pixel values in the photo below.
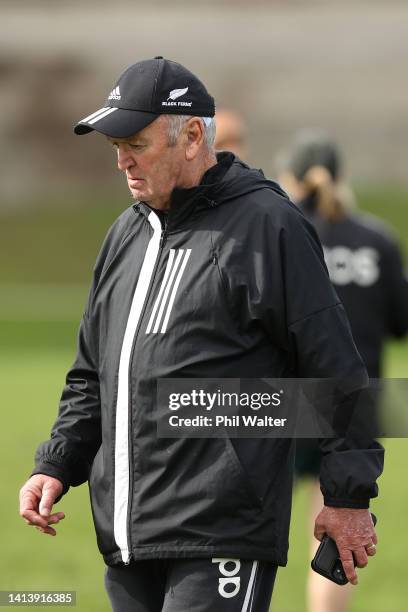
[{"x": 47, "y": 501}]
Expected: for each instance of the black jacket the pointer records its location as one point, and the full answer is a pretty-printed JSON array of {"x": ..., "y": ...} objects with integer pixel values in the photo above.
[{"x": 234, "y": 286}]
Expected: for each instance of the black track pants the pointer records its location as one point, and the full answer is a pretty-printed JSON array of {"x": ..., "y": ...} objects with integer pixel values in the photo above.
[{"x": 191, "y": 585}]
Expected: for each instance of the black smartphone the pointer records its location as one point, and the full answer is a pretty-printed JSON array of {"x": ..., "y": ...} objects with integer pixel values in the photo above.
[{"x": 327, "y": 561}]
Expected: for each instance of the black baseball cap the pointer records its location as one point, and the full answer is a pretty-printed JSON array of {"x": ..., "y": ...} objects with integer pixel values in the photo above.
[
  {"x": 144, "y": 91},
  {"x": 314, "y": 147}
]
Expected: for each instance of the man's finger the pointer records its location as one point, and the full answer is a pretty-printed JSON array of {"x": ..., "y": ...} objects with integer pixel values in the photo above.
[
  {"x": 319, "y": 531},
  {"x": 50, "y": 531},
  {"x": 348, "y": 565},
  {"x": 55, "y": 518},
  {"x": 41, "y": 522},
  {"x": 360, "y": 556},
  {"x": 47, "y": 530},
  {"x": 28, "y": 501},
  {"x": 34, "y": 518},
  {"x": 371, "y": 549}
]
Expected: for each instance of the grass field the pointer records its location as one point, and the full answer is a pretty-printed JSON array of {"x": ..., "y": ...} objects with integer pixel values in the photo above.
[{"x": 42, "y": 297}]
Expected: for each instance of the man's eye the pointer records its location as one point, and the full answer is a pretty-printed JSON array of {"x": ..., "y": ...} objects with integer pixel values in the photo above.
[{"x": 115, "y": 145}]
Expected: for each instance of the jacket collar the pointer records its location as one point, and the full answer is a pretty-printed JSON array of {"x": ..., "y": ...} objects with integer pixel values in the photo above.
[
  {"x": 181, "y": 197},
  {"x": 184, "y": 201}
]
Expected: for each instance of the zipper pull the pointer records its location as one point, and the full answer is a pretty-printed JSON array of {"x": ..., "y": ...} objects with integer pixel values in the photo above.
[
  {"x": 214, "y": 259},
  {"x": 128, "y": 560}
]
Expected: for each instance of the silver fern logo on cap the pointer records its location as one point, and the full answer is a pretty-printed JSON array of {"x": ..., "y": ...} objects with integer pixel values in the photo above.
[{"x": 177, "y": 93}]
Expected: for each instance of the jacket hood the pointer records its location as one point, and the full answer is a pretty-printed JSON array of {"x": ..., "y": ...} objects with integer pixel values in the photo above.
[{"x": 228, "y": 179}]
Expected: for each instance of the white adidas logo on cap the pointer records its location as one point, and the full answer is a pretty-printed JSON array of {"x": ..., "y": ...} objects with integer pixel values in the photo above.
[{"x": 114, "y": 94}]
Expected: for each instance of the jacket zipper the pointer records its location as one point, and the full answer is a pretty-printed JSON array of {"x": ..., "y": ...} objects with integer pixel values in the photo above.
[{"x": 163, "y": 239}]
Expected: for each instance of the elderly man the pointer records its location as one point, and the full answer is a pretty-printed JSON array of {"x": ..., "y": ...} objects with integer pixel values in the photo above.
[{"x": 211, "y": 273}]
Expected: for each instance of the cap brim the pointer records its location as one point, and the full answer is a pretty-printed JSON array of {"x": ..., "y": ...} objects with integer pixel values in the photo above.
[{"x": 115, "y": 122}]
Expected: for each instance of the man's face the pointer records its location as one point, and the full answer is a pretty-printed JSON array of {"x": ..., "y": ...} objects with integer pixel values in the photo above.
[{"x": 152, "y": 167}]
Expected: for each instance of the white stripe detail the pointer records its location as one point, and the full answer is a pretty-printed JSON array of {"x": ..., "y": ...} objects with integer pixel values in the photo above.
[
  {"x": 101, "y": 110},
  {"x": 122, "y": 404},
  {"x": 167, "y": 290},
  {"x": 249, "y": 589},
  {"x": 163, "y": 285},
  {"x": 107, "y": 112},
  {"x": 173, "y": 293}
]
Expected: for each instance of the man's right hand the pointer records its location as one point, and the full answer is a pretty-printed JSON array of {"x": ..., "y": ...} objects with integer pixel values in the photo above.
[{"x": 37, "y": 497}]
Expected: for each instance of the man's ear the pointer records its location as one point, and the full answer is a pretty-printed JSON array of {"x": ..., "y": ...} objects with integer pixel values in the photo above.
[{"x": 194, "y": 137}]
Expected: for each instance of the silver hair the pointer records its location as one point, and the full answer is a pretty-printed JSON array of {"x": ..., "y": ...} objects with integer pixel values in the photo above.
[{"x": 176, "y": 123}]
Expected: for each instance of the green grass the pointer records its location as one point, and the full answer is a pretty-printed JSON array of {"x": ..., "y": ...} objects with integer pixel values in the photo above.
[{"x": 56, "y": 242}]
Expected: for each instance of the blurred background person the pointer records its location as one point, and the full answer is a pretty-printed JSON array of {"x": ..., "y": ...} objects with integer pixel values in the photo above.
[
  {"x": 365, "y": 266},
  {"x": 231, "y": 132}
]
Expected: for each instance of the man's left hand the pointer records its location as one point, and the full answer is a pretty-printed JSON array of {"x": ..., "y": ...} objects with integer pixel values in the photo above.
[{"x": 353, "y": 531}]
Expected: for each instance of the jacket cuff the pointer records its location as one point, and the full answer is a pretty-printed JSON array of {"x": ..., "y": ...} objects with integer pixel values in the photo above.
[
  {"x": 56, "y": 471},
  {"x": 336, "y": 502}
]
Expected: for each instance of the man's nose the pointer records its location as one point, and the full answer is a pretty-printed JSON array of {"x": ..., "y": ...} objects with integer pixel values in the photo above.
[{"x": 125, "y": 159}]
